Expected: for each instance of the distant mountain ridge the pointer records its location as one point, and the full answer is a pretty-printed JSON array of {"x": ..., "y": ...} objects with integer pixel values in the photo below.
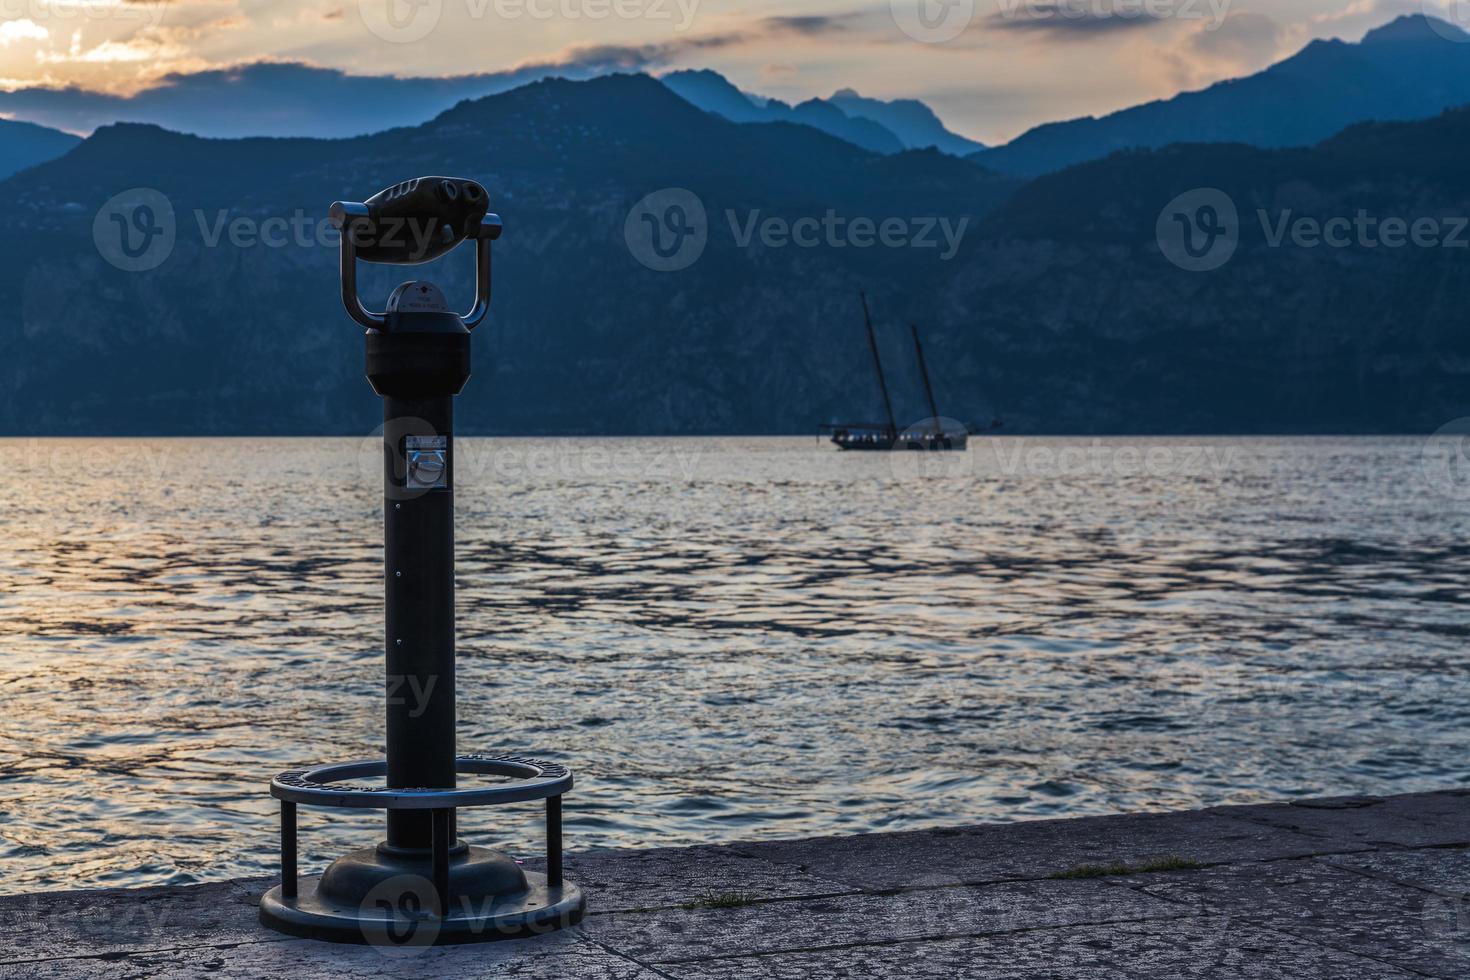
[
  {"x": 913, "y": 122},
  {"x": 24, "y": 144},
  {"x": 1408, "y": 69},
  {"x": 272, "y": 99},
  {"x": 294, "y": 99},
  {"x": 883, "y": 127},
  {"x": 712, "y": 92},
  {"x": 1411, "y": 68}
]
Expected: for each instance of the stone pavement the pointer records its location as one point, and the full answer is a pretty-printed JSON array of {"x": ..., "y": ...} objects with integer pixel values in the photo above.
[{"x": 1342, "y": 888}]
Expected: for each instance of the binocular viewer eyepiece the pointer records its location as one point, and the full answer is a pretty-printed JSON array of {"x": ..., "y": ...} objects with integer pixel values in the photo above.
[{"x": 413, "y": 222}]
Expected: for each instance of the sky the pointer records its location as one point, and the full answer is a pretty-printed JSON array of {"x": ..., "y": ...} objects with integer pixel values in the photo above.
[{"x": 990, "y": 68}]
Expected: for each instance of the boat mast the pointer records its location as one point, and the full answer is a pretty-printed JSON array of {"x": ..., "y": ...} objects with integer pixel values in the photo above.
[
  {"x": 928, "y": 388},
  {"x": 878, "y": 365}
]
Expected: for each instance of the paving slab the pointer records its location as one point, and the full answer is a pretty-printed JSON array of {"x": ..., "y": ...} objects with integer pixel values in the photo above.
[
  {"x": 1402, "y": 926},
  {"x": 1179, "y": 949},
  {"x": 549, "y": 958},
  {"x": 622, "y": 881},
  {"x": 1415, "y": 820},
  {"x": 1444, "y": 871},
  {"x": 672, "y": 935},
  {"x": 1035, "y": 849},
  {"x": 119, "y": 920}
]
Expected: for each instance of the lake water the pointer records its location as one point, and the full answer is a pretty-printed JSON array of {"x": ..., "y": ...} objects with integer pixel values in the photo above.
[{"x": 726, "y": 638}]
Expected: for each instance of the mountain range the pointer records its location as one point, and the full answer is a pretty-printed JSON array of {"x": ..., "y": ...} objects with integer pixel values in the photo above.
[
  {"x": 583, "y": 337},
  {"x": 292, "y": 99},
  {"x": 1056, "y": 311},
  {"x": 271, "y": 99},
  {"x": 1411, "y": 68},
  {"x": 24, "y": 144}
]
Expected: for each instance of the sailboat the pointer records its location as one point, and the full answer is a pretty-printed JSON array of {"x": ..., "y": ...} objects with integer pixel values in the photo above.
[{"x": 876, "y": 436}]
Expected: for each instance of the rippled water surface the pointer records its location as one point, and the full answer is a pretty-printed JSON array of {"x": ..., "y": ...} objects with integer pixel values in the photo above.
[{"x": 726, "y": 639}]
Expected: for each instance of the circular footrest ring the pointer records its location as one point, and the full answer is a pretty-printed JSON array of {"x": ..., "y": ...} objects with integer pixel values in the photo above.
[{"x": 330, "y": 785}]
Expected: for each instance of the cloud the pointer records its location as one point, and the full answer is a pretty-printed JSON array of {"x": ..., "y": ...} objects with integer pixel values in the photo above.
[
  {"x": 1365, "y": 14},
  {"x": 811, "y": 25},
  {"x": 15, "y": 31},
  {"x": 635, "y": 57},
  {"x": 1064, "y": 20},
  {"x": 1245, "y": 41},
  {"x": 136, "y": 50},
  {"x": 661, "y": 54},
  {"x": 1243, "y": 44}
]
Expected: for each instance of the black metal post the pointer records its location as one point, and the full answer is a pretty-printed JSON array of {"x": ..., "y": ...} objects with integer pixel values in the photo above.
[
  {"x": 442, "y": 844},
  {"x": 418, "y": 360},
  {"x": 553, "y": 841},
  {"x": 419, "y": 593},
  {"x": 288, "y": 849}
]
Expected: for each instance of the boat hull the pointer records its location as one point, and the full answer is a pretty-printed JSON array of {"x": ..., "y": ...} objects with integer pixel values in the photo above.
[{"x": 926, "y": 443}]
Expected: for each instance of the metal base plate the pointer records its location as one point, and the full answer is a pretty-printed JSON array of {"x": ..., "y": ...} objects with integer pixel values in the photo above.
[{"x": 399, "y": 914}]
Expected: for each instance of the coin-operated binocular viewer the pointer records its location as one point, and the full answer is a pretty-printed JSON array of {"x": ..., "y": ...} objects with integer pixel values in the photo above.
[{"x": 421, "y": 884}]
